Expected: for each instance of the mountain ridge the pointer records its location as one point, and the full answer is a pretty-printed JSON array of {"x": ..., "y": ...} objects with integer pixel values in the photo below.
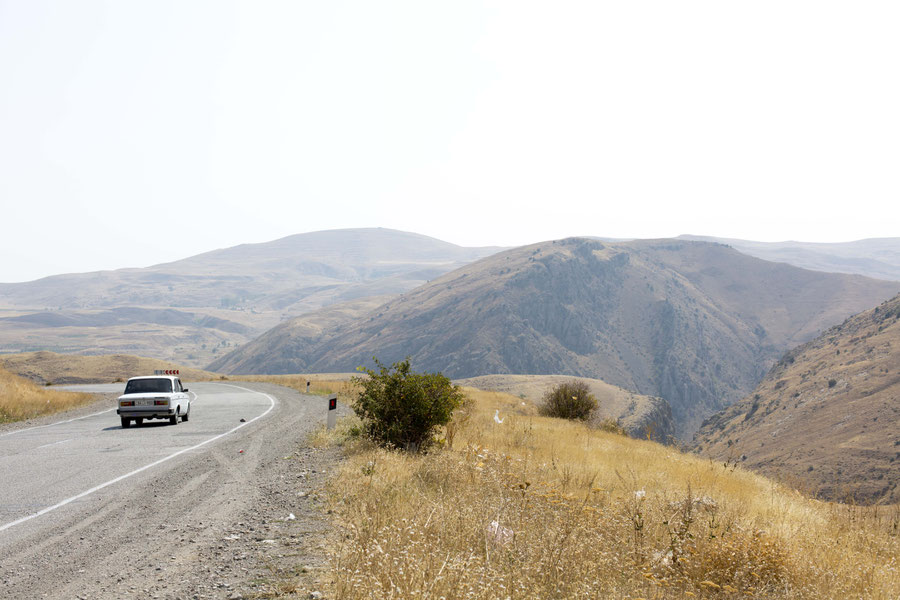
[
  {"x": 878, "y": 258},
  {"x": 695, "y": 323},
  {"x": 192, "y": 308}
]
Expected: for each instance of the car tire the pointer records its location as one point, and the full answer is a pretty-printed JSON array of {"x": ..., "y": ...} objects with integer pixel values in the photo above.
[
  {"x": 126, "y": 422},
  {"x": 138, "y": 422},
  {"x": 173, "y": 420},
  {"x": 185, "y": 416}
]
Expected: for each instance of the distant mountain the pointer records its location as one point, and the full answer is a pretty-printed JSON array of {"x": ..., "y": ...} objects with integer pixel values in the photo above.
[
  {"x": 827, "y": 416},
  {"x": 877, "y": 257},
  {"x": 190, "y": 309},
  {"x": 696, "y": 323}
]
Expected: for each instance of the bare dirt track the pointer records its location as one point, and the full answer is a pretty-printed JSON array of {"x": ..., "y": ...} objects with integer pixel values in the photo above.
[{"x": 214, "y": 522}]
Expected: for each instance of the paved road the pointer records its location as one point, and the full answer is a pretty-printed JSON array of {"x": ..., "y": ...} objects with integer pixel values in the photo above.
[
  {"x": 90, "y": 509},
  {"x": 45, "y": 469}
]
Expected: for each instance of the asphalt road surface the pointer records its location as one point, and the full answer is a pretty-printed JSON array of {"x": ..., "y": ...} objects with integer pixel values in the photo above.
[{"x": 89, "y": 509}]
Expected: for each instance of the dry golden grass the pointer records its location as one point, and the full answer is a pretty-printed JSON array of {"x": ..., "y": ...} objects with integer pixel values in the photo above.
[
  {"x": 75, "y": 368},
  {"x": 21, "y": 399},
  {"x": 542, "y": 508}
]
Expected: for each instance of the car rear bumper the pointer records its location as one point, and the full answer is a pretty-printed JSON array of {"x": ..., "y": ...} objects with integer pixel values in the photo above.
[{"x": 151, "y": 413}]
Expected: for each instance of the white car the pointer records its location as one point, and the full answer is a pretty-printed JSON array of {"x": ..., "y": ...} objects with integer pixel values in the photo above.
[{"x": 154, "y": 397}]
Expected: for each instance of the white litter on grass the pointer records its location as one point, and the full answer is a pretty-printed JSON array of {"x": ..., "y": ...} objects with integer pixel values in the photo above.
[
  {"x": 499, "y": 534},
  {"x": 291, "y": 517},
  {"x": 497, "y": 418},
  {"x": 640, "y": 494}
]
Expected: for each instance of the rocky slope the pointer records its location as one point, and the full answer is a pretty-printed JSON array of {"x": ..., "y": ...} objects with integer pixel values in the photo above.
[
  {"x": 696, "y": 323},
  {"x": 827, "y": 416}
]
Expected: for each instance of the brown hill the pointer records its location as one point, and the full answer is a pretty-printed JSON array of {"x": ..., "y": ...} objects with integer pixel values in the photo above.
[
  {"x": 641, "y": 416},
  {"x": 696, "y": 323},
  {"x": 49, "y": 367},
  {"x": 827, "y": 416},
  {"x": 191, "y": 310}
]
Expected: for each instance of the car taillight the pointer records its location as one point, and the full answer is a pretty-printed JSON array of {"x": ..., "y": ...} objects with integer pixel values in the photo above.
[
  {"x": 126, "y": 403},
  {"x": 160, "y": 402}
]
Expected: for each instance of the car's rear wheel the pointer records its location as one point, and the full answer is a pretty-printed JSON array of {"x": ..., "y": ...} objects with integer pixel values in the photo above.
[
  {"x": 126, "y": 422},
  {"x": 185, "y": 416},
  {"x": 173, "y": 420},
  {"x": 139, "y": 422}
]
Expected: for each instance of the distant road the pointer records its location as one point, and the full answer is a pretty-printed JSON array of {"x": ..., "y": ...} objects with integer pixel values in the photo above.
[{"x": 77, "y": 492}]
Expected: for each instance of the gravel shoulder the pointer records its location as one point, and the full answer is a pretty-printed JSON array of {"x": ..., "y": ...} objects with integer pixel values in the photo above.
[{"x": 215, "y": 523}]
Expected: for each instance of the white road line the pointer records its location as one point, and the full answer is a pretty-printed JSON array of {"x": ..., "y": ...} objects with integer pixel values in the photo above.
[
  {"x": 54, "y": 444},
  {"x": 58, "y": 422},
  {"x": 145, "y": 467}
]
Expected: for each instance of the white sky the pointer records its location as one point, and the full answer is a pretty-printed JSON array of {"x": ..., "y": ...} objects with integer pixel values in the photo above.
[{"x": 480, "y": 123}]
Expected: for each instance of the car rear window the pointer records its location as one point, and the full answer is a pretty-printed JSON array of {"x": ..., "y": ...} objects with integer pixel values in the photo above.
[{"x": 147, "y": 386}]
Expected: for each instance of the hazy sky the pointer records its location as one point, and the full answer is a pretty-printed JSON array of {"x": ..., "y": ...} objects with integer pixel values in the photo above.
[{"x": 138, "y": 132}]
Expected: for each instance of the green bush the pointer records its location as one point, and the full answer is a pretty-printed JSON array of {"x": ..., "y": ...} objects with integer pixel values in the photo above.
[
  {"x": 403, "y": 409},
  {"x": 572, "y": 400}
]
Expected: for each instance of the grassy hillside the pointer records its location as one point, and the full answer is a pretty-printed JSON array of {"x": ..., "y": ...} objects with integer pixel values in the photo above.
[
  {"x": 22, "y": 399},
  {"x": 641, "y": 416},
  {"x": 698, "y": 324},
  {"x": 827, "y": 416},
  {"x": 193, "y": 310},
  {"x": 48, "y": 367},
  {"x": 542, "y": 508}
]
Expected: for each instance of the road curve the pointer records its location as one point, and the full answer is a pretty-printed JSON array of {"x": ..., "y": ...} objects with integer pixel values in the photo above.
[{"x": 77, "y": 491}]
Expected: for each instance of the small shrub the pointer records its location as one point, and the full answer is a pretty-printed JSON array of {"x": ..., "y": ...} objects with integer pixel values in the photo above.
[
  {"x": 832, "y": 383},
  {"x": 403, "y": 409},
  {"x": 572, "y": 400}
]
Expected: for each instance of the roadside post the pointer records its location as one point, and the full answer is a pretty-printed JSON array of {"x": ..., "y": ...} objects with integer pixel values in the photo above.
[
  {"x": 332, "y": 411},
  {"x": 307, "y": 387}
]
